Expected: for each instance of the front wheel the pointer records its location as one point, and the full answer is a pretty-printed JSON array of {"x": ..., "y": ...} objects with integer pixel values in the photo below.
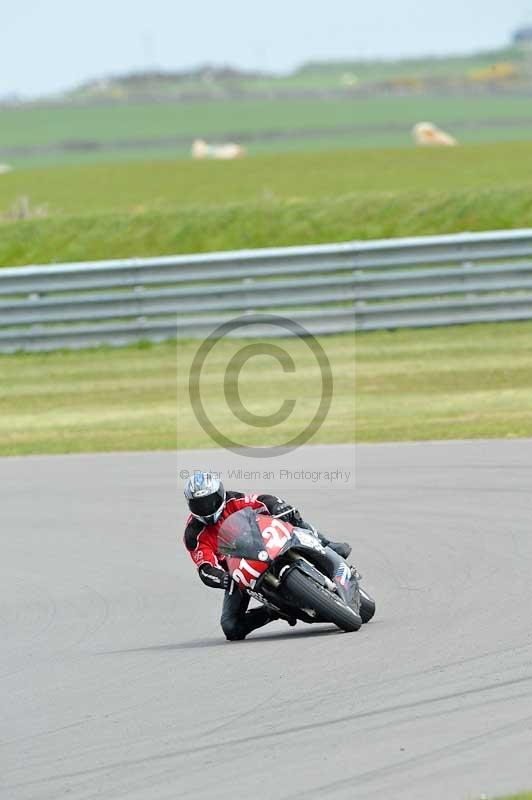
[{"x": 309, "y": 594}]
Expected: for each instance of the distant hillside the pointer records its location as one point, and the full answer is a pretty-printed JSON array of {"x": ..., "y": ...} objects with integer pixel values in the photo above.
[
  {"x": 155, "y": 84},
  {"x": 428, "y": 66},
  {"x": 501, "y": 70},
  {"x": 508, "y": 70}
]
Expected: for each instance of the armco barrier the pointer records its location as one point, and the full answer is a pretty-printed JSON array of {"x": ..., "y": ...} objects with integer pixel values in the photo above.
[{"x": 394, "y": 283}]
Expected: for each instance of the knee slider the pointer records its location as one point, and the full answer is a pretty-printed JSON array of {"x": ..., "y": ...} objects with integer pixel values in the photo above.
[{"x": 233, "y": 631}]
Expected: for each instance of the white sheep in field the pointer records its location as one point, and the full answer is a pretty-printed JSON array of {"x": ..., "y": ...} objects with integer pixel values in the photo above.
[
  {"x": 223, "y": 152},
  {"x": 5, "y": 168},
  {"x": 425, "y": 133}
]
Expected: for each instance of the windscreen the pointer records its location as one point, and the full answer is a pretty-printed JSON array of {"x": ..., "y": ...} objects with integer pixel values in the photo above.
[{"x": 239, "y": 535}]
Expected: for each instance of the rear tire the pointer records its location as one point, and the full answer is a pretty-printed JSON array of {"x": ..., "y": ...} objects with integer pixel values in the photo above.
[
  {"x": 309, "y": 594},
  {"x": 367, "y": 607}
]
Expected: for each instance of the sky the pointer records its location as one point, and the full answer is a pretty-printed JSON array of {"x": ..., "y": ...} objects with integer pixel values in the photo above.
[{"x": 50, "y": 45}]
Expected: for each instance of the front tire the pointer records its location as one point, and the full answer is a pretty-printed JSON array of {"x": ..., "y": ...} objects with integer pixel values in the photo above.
[{"x": 309, "y": 594}]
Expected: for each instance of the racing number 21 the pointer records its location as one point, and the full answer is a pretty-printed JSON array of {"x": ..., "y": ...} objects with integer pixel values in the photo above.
[
  {"x": 240, "y": 577},
  {"x": 276, "y": 535}
]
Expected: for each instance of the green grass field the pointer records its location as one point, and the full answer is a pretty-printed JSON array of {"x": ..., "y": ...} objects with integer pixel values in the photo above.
[
  {"x": 461, "y": 382},
  {"x": 167, "y": 129},
  {"x": 46, "y": 125},
  {"x": 523, "y": 796},
  {"x": 157, "y": 208}
]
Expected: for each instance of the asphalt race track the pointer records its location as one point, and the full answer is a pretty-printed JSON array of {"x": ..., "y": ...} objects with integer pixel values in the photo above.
[{"x": 116, "y": 681}]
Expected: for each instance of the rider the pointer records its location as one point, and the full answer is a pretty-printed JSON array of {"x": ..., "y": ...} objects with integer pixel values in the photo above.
[{"x": 209, "y": 506}]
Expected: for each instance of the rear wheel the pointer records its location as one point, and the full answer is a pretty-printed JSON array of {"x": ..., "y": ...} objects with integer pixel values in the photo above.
[
  {"x": 367, "y": 606},
  {"x": 309, "y": 594}
]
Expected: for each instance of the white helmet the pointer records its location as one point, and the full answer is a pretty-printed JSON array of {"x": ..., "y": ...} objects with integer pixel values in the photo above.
[{"x": 205, "y": 495}]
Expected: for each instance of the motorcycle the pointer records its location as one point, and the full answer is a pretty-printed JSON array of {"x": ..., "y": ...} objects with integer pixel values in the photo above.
[{"x": 288, "y": 569}]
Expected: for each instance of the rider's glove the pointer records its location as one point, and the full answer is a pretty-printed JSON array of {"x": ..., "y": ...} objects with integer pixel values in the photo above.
[
  {"x": 215, "y": 577},
  {"x": 225, "y": 581},
  {"x": 284, "y": 511}
]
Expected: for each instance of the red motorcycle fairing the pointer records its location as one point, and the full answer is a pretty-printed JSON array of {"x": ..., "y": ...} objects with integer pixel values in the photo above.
[
  {"x": 289, "y": 570},
  {"x": 257, "y": 540}
]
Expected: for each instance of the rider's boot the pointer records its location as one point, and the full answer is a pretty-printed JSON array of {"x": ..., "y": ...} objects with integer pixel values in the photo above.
[
  {"x": 279, "y": 615},
  {"x": 342, "y": 548}
]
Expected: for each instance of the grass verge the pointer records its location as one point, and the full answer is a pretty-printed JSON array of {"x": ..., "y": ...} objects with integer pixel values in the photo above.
[
  {"x": 155, "y": 208},
  {"x": 462, "y": 382},
  {"x": 272, "y": 223}
]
